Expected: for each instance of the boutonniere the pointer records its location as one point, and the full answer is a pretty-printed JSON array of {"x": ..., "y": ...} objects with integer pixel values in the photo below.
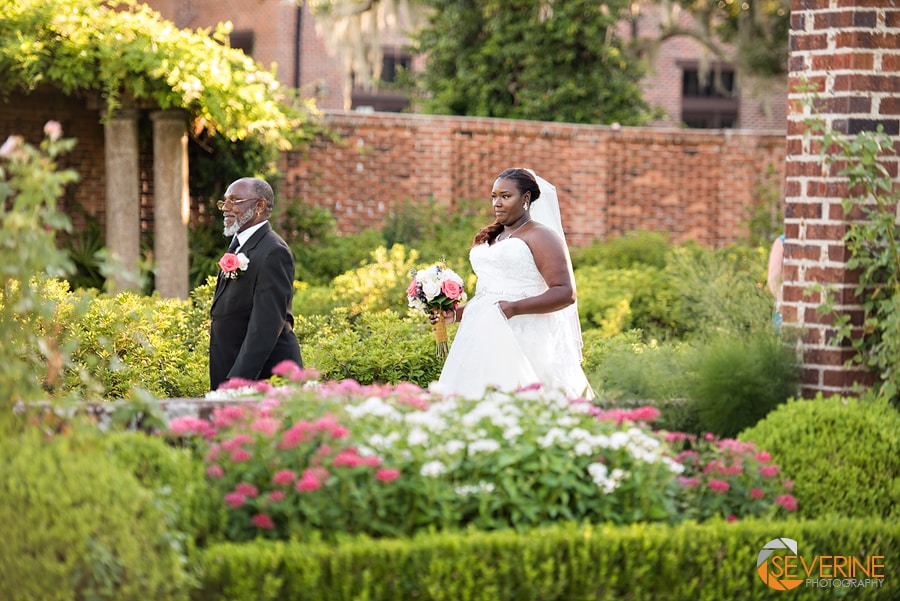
[{"x": 231, "y": 263}]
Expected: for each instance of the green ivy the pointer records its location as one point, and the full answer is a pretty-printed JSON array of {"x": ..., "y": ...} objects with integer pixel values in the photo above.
[
  {"x": 871, "y": 241},
  {"x": 126, "y": 50}
]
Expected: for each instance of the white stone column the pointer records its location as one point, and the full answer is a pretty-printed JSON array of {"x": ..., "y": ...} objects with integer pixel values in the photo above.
[
  {"x": 123, "y": 200},
  {"x": 171, "y": 204}
]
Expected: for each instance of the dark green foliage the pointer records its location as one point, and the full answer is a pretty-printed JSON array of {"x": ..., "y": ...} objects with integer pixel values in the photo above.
[
  {"x": 379, "y": 347},
  {"x": 843, "y": 454},
  {"x": 639, "y": 248},
  {"x": 707, "y": 562},
  {"x": 75, "y": 526},
  {"x": 623, "y": 368},
  {"x": 321, "y": 260},
  {"x": 737, "y": 379},
  {"x": 718, "y": 290},
  {"x": 517, "y": 60}
]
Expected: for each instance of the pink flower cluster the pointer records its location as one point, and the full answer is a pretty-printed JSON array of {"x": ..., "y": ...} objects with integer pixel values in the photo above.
[
  {"x": 729, "y": 478},
  {"x": 267, "y": 464}
]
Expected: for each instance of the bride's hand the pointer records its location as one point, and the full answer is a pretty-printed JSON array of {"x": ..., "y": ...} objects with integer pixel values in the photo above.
[{"x": 449, "y": 316}]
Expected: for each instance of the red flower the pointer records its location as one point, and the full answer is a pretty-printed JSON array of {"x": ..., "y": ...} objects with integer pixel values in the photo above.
[
  {"x": 720, "y": 486},
  {"x": 787, "y": 501},
  {"x": 387, "y": 474},
  {"x": 263, "y": 521}
]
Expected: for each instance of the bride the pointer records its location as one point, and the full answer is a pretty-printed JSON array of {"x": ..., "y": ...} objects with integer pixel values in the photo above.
[{"x": 521, "y": 327}]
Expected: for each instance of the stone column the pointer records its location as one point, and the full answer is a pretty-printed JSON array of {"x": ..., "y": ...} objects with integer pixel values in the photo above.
[
  {"x": 171, "y": 207},
  {"x": 123, "y": 200},
  {"x": 850, "y": 51}
]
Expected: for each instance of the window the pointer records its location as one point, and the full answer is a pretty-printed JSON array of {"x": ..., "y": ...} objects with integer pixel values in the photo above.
[
  {"x": 380, "y": 99},
  {"x": 242, "y": 40},
  {"x": 709, "y": 102}
]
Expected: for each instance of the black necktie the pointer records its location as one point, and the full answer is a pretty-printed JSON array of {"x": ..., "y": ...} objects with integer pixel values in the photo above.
[{"x": 234, "y": 244}]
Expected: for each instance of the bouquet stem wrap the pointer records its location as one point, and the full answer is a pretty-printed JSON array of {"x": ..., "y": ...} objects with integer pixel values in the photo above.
[{"x": 440, "y": 337}]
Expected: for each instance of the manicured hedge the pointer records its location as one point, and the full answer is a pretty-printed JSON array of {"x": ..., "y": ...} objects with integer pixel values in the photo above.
[{"x": 712, "y": 561}]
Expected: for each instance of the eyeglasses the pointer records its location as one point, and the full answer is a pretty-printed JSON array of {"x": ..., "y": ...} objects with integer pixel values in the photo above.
[{"x": 232, "y": 201}]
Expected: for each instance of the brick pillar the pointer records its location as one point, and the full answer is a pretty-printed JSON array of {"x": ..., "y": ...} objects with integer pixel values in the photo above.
[
  {"x": 850, "y": 50},
  {"x": 171, "y": 202},
  {"x": 123, "y": 200}
]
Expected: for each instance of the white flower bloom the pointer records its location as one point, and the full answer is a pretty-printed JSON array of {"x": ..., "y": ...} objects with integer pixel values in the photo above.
[
  {"x": 378, "y": 441},
  {"x": 431, "y": 289},
  {"x": 454, "y": 446},
  {"x": 418, "y": 305},
  {"x": 512, "y": 433},
  {"x": 584, "y": 448},
  {"x": 433, "y": 469},
  {"x": 579, "y": 434},
  {"x": 426, "y": 419},
  {"x": 485, "y": 445},
  {"x": 474, "y": 489},
  {"x": 373, "y": 406},
  {"x": 551, "y": 437},
  {"x": 417, "y": 437},
  {"x": 598, "y": 473}
]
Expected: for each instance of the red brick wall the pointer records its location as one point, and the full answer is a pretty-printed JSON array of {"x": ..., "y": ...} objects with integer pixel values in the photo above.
[
  {"x": 849, "y": 49},
  {"x": 694, "y": 184}
]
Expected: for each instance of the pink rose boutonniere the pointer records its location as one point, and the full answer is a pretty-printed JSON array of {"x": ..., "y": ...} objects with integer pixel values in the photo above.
[{"x": 232, "y": 264}]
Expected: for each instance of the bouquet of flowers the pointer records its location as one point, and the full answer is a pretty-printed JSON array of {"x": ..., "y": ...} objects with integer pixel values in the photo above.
[{"x": 434, "y": 290}]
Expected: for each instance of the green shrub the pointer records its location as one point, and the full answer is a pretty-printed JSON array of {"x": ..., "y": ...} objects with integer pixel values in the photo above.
[
  {"x": 373, "y": 347},
  {"x": 312, "y": 300},
  {"x": 379, "y": 283},
  {"x": 634, "y": 249},
  {"x": 617, "y": 300},
  {"x": 77, "y": 527},
  {"x": 565, "y": 562},
  {"x": 177, "y": 480},
  {"x": 843, "y": 454},
  {"x": 632, "y": 369},
  {"x": 128, "y": 340},
  {"x": 319, "y": 261},
  {"x": 738, "y": 378},
  {"x": 718, "y": 290}
]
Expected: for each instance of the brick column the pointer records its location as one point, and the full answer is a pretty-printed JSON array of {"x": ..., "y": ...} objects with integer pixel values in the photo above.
[
  {"x": 850, "y": 51},
  {"x": 123, "y": 200},
  {"x": 171, "y": 202}
]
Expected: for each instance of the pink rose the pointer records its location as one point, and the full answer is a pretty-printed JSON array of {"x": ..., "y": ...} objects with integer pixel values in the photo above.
[
  {"x": 412, "y": 289},
  {"x": 451, "y": 289},
  {"x": 53, "y": 130},
  {"x": 229, "y": 262}
]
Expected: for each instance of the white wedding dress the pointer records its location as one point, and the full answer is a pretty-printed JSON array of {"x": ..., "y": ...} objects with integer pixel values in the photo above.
[{"x": 491, "y": 351}]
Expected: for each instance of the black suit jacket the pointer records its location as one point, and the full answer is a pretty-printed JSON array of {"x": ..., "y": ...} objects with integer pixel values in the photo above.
[{"x": 251, "y": 329}]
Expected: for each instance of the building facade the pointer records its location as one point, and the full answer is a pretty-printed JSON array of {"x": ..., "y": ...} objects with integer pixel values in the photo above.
[{"x": 287, "y": 36}]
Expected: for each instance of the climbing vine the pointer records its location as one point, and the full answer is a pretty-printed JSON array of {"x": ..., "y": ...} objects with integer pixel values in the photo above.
[
  {"x": 871, "y": 242},
  {"x": 122, "y": 50}
]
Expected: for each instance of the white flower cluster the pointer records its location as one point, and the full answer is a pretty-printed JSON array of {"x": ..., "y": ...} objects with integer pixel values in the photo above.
[{"x": 452, "y": 431}]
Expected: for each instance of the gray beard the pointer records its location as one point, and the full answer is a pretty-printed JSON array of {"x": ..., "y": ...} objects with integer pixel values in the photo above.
[{"x": 230, "y": 231}]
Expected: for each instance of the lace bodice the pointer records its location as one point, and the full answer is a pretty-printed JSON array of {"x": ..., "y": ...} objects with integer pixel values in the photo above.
[{"x": 506, "y": 269}]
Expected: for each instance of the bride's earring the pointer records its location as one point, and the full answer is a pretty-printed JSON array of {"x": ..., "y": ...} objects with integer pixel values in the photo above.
[{"x": 525, "y": 205}]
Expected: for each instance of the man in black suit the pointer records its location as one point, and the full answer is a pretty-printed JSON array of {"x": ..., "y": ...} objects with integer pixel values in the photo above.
[{"x": 251, "y": 330}]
